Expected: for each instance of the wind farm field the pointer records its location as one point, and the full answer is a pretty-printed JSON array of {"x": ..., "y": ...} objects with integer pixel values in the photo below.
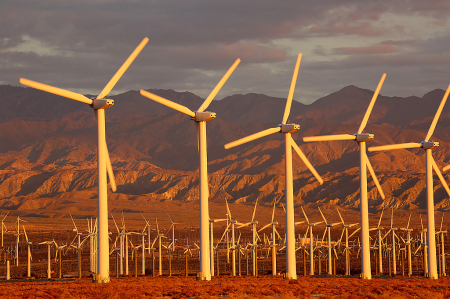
[{"x": 229, "y": 287}]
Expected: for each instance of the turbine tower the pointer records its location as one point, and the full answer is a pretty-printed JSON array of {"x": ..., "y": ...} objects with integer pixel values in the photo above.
[
  {"x": 361, "y": 138},
  {"x": 286, "y": 129},
  {"x": 428, "y": 146},
  {"x": 200, "y": 117},
  {"x": 99, "y": 104}
]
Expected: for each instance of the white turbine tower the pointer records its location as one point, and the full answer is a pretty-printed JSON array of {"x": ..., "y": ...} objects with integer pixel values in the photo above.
[
  {"x": 428, "y": 146},
  {"x": 361, "y": 138},
  {"x": 99, "y": 104},
  {"x": 286, "y": 129},
  {"x": 200, "y": 117}
]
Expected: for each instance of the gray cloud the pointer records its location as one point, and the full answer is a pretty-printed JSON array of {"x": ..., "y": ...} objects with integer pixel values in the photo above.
[{"x": 79, "y": 45}]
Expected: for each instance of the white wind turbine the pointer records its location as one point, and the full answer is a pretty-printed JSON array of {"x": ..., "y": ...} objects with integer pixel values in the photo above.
[
  {"x": 408, "y": 244},
  {"x": 17, "y": 238},
  {"x": 273, "y": 245},
  {"x": 361, "y": 138},
  {"x": 286, "y": 129},
  {"x": 212, "y": 221},
  {"x": 440, "y": 234},
  {"x": 253, "y": 222},
  {"x": 99, "y": 104},
  {"x": 328, "y": 229},
  {"x": 49, "y": 270},
  {"x": 311, "y": 241},
  {"x": 4, "y": 226},
  {"x": 428, "y": 146},
  {"x": 200, "y": 117},
  {"x": 345, "y": 228},
  {"x": 29, "y": 257}
]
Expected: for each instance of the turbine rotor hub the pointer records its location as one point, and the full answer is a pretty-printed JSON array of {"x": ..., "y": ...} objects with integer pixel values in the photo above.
[
  {"x": 429, "y": 144},
  {"x": 101, "y": 103},
  {"x": 364, "y": 137},
  {"x": 204, "y": 116},
  {"x": 289, "y": 128}
]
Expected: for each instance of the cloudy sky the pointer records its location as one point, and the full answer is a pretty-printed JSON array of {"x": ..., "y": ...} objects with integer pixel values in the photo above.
[{"x": 79, "y": 45}]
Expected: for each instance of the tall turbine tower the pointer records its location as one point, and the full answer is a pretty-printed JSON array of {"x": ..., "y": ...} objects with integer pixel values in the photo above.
[
  {"x": 200, "y": 117},
  {"x": 99, "y": 104},
  {"x": 428, "y": 146},
  {"x": 286, "y": 129},
  {"x": 361, "y": 138}
]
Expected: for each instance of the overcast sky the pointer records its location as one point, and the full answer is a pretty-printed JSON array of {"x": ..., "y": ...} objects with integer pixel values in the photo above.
[{"x": 80, "y": 44}]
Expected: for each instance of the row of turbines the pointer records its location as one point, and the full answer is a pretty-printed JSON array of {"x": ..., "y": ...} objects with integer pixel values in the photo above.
[
  {"x": 100, "y": 103},
  {"x": 395, "y": 246}
]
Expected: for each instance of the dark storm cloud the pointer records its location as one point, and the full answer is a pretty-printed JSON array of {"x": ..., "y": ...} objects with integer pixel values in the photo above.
[{"x": 80, "y": 44}]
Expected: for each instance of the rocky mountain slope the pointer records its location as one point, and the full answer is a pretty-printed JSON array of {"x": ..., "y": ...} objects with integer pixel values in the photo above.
[{"x": 48, "y": 150}]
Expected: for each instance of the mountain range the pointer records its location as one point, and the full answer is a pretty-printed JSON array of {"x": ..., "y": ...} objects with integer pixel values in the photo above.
[{"x": 48, "y": 151}]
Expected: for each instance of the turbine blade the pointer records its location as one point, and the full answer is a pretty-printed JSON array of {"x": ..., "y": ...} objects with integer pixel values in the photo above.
[
  {"x": 109, "y": 169},
  {"x": 167, "y": 103},
  {"x": 354, "y": 232},
  {"x": 438, "y": 172},
  {"x": 329, "y": 138},
  {"x": 372, "y": 102},
  {"x": 254, "y": 210},
  {"x": 265, "y": 226},
  {"x": 122, "y": 69},
  {"x": 394, "y": 146},
  {"x": 442, "y": 220},
  {"x": 273, "y": 212},
  {"x": 392, "y": 217},
  {"x": 343, "y": 223},
  {"x": 374, "y": 177},
  {"x": 218, "y": 86},
  {"x": 323, "y": 217},
  {"x": 379, "y": 221},
  {"x": 438, "y": 113},
  {"x": 306, "y": 161},
  {"x": 58, "y": 91},
  {"x": 443, "y": 169},
  {"x": 252, "y": 137},
  {"x": 287, "y": 109},
  {"x": 305, "y": 216},
  {"x": 25, "y": 232},
  {"x": 324, "y": 233},
  {"x": 410, "y": 219},
  {"x": 228, "y": 210}
]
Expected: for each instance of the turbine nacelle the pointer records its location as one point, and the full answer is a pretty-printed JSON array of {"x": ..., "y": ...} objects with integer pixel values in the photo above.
[
  {"x": 204, "y": 116},
  {"x": 429, "y": 144},
  {"x": 363, "y": 137},
  {"x": 101, "y": 103},
  {"x": 289, "y": 128}
]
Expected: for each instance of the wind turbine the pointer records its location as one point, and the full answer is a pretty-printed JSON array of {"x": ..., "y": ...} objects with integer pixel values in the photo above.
[
  {"x": 408, "y": 244},
  {"x": 29, "y": 257},
  {"x": 328, "y": 229},
  {"x": 440, "y": 234},
  {"x": 361, "y": 138},
  {"x": 253, "y": 222},
  {"x": 49, "y": 270},
  {"x": 273, "y": 245},
  {"x": 428, "y": 146},
  {"x": 311, "y": 241},
  {"x": 200, "y": 117},
  {"x": 4, "y": 226},
  {"x": 99, "y": 104},
  {"x": 17, "y": 238},
  {"x": 212, "y": 221},
  {"x": 345, "y": 228},
  {"x": 286, "y": 129}
]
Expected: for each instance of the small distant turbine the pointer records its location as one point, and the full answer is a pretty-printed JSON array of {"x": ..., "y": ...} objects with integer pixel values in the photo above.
[
  {"x": 286, "y": 129},
  {"x": 428, "y": 146},
  {"x": 99, "y": 104},
  {"x": 200, "y": 117},
  {"x": 361, "y": 138}
]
